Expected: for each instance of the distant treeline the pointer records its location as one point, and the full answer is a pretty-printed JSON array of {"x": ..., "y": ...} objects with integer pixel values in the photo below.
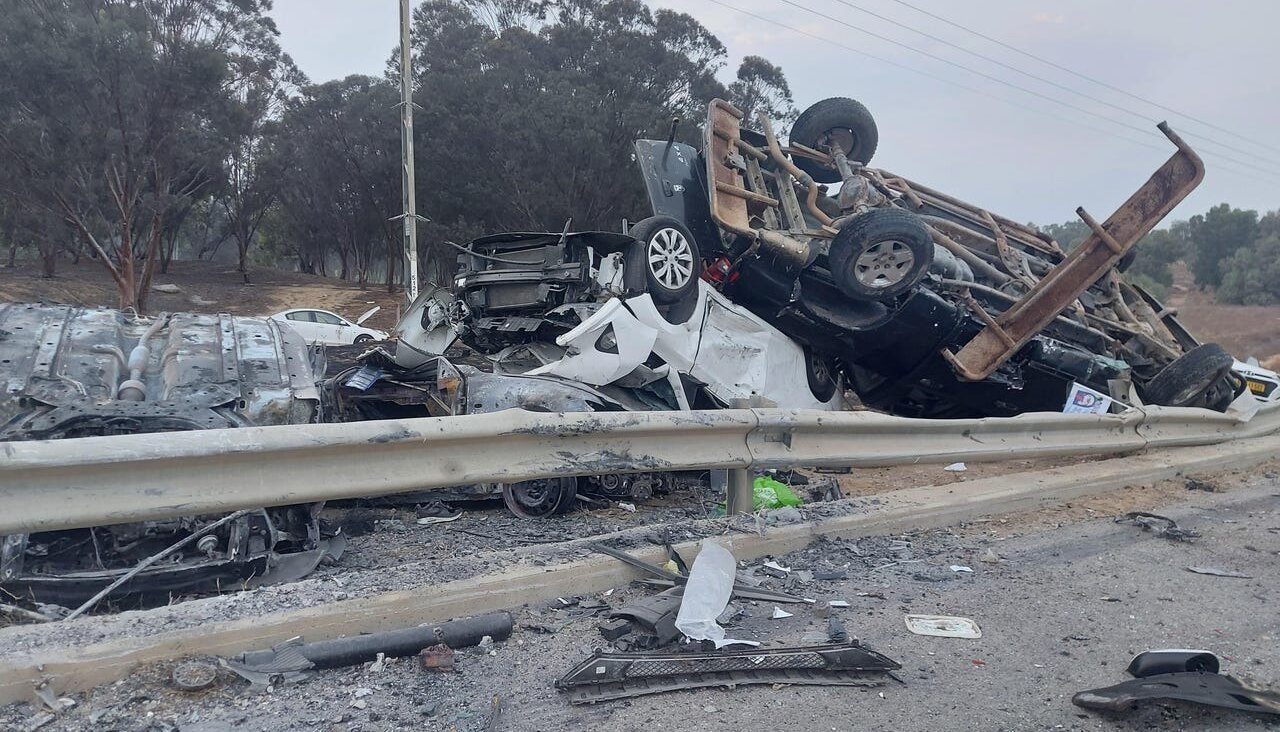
[
  {"x": 134, "y": 131},
  {"x": 1233, "y": 250}
]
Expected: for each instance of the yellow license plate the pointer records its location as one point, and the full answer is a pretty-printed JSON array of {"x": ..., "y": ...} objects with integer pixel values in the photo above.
[{"x": 1257, "y": 387}]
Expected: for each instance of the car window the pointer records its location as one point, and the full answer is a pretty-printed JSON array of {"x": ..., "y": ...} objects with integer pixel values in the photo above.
[
  {"x": 328, "y": 318},
  {"x": 305, "y": 316}
]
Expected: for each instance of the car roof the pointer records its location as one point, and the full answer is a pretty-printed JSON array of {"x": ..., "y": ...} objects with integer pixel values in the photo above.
[{"x": 309, "y": 310}]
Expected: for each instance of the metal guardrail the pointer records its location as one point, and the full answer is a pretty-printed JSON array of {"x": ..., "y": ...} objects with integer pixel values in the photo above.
[{"x": 94, "y": 481}]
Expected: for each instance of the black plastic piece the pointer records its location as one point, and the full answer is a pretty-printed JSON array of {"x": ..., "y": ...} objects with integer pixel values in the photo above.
[
  {"x": 393, "y": 643},
  {"x": 1154, "y": 663},
  {"x": 1202, "y": 688}
]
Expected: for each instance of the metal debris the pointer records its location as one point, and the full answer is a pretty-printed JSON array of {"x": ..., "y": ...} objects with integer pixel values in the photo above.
[
  {"x": 1216, "y": 572},
  {"x": 194, "y": 675},
  {"x": 1162, "y": 526}
]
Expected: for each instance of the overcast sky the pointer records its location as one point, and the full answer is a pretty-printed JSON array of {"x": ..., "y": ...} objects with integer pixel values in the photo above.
[{"x": 1017, "y": 154}]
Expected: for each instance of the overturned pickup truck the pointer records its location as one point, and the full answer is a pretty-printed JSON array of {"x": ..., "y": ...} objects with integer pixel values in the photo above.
[
  {"x": 750, "y": 281},
  {"x": 927, "y": 305}
]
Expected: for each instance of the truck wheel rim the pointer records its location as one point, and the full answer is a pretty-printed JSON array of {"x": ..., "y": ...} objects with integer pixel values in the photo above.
[
  {"x": 670, "y": 258},
  {"x": 884, "y": 264}
]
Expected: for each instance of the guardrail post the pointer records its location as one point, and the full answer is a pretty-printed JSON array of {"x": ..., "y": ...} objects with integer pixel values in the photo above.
[{"x": 739, "y": 493}]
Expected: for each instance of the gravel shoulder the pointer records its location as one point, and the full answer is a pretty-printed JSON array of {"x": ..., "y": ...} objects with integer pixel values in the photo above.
[{"x": 1067, "y": 602}]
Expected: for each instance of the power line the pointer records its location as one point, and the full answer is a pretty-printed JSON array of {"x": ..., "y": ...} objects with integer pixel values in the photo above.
[
  {"x": 1000, "y": 81},
  {"x": 953, "y": 84},
  {"x": 1039, "y": 78},
  {"x": 1087, "y": 78}
]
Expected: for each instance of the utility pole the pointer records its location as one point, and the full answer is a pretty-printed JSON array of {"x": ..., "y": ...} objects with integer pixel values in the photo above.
[{"x": 410, "y": 214}]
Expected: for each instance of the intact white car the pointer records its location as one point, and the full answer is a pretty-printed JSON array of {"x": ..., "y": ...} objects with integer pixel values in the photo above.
[{"x": 328, "y": 328}]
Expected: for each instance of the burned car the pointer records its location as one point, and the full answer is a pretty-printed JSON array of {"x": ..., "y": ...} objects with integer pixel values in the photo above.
[
  {"x": 928, "y": 306},
  {"x": 74, "y": 372}
]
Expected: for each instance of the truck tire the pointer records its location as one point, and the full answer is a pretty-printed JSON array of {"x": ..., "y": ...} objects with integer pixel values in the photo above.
[
  {"x": 841, "y": 120},
  {"x": 1189, "y": 376},
  {"x": 820, "y": 375},
  {"x": 669, "y": 258},
  {"x": 880, "y": 254}
]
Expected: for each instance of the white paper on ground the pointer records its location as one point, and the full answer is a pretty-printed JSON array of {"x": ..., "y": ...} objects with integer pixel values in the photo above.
[
  {"x": 779, "y": 613},
  {"x": 706, "y": 594},
  {"x": 943, "y": 626}
]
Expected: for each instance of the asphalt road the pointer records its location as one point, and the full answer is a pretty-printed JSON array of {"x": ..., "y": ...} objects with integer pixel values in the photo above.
[{"x": 1064, "y": 609}]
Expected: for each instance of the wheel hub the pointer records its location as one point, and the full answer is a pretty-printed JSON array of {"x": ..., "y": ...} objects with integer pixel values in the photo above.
[
  {"x": 883, "y": 264},
  {"x": 670, "y": 258}
]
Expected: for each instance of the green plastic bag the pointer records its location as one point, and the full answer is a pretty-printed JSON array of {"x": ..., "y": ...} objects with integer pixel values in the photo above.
[{"x": 767, "y": 492}]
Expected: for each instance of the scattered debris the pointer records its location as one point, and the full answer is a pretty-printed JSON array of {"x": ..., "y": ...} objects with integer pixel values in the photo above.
[
  {"x": 1162, "y": 526},
  {"x": 1216, "y": 572},
  {"x": 605, "y": 676},
  {"x": 21, "y": 613},
  {"x": 838, "y": 603},
  {"x": 943, "y": 626},
  {"x": 779, "y": 613},
  {"x": 653, "y": 618},
  {"x": 961, "y": 568},
  {"x": 38, "y": 721},
  {"x": 956, "y": 468},
  {"x": 836, "y": 632},
  {"x": 167, "y": 288},
  {"x": 989, "y": 557},
  {"x": 1195, "y": 484},
  {"x": 706, "y": 594},
  {"x": 776, "y": 567},
  {"x": 1151, "y": 663},
  {"x": 630, "y": 507},
  {"x": 1185, "y": 675},
  {"x": 294, "y": 657},
  {"x": 436, "y": 512},
  {"x": 438, "y": 658},
  {"x": 194, "y": 675},
  {"x": 614, "y": 629}
]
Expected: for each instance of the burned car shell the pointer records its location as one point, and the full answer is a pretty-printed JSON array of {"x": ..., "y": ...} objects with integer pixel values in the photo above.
[{"x": 75, "y": 372}]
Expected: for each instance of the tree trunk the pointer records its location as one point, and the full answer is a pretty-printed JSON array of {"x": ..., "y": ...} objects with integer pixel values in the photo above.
[
  {"x": 127, "y": 285},
  {"x": 149, "y": 262},
  {"x": 11, "y": 233}
]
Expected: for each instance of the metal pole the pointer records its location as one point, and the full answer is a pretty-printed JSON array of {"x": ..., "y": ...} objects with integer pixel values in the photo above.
[{"x": 410, "y": 216}]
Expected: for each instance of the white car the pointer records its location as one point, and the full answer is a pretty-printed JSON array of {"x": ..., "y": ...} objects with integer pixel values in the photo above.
[
  {"x": 1264, "y": 383},
  {"x": 330, "y": 329}
]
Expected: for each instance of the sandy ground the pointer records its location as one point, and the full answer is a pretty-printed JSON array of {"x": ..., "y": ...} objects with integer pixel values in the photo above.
[
  {"x": 205, "y": 287},
  {"x": 1071, "y": 597},
  {"x": 1244, "y": 330}
]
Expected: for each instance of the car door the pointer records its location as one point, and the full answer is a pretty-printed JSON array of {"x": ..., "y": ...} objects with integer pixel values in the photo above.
[
  {"x": 331, "y": 329},
  {"x": 303, "y": 321}
]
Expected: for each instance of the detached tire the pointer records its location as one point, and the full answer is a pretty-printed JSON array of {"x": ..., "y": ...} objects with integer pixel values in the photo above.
[
  {"x": 668, "y": 257},
  {"x": 841, "y": 120},
  {"x": 540, "y": 498},
  {"x": 1192, "y": 374},
  {"x": 880, "y": 254}
]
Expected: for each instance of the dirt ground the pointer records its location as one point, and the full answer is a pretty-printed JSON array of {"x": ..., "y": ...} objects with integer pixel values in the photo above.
[
  {"x": 206, "y": 287},
  {"x": 1244, "y": 330},
  {"x": 1079, "y": 595}
]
